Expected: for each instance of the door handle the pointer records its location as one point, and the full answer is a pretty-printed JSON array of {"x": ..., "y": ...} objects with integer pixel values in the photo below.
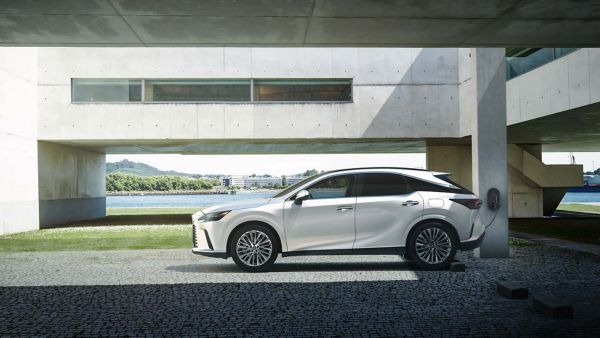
[
  {"x": 344, "y": 207},
  {"x": 409, "y": 203}
]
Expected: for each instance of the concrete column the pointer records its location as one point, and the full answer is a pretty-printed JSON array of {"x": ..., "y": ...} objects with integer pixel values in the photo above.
[
  {"x": 18, "y": 140},
  {"x": 489, "y": 152},
  {"x": 71, "y": 184}
]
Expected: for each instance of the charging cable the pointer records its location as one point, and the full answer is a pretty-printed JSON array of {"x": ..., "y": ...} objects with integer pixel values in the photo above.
[{"x": 487, "y": 226}]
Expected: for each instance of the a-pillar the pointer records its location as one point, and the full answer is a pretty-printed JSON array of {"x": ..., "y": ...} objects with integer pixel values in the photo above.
[{"x": 489, "y": 152}]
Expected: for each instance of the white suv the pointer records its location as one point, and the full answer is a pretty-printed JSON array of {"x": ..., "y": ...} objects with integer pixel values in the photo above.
[{"x": 420, "y": 214}]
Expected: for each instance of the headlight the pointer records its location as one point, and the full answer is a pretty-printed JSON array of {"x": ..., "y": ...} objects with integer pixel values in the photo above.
[{"x": 213, "y": 216}]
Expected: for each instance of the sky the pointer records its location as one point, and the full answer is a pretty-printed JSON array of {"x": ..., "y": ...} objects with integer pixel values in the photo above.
[{"x": 292, "y": 164}]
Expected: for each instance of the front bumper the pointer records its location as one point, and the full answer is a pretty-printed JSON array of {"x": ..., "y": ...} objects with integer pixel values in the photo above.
[
  {"x": 210, "y": 253},
  {"x": 206, "y": 241},
  {"x": 471, "y": 243}
]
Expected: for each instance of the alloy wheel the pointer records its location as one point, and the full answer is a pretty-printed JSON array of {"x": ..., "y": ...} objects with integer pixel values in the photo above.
[
  {"x": 433, "y": 245},
  {"x": 254, "y": 248}
]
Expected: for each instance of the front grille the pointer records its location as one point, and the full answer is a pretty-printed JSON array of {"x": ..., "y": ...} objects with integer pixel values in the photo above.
[{"x": 194, "y": 238}]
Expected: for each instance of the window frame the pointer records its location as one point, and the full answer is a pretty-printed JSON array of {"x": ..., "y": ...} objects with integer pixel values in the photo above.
[
  {"x": 350, "y": 83},
  {"x": 73, "y": 79},
  {"x": 362, "y": 184},
  {"x": 251, "y": 84},
  {"x": 352, "y": 187}
]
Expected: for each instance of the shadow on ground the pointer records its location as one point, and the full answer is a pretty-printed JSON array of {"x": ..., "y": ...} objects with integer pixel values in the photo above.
[
  {"x": 296, "y": 267},
  {"x": 131, "y": 220},
  {"x": 374, "y": 308}
]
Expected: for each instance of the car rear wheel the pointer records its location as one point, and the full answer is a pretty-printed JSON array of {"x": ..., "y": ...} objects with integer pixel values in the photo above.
[
  {"x": 254, "y": 248},
  {"x": 432, "y": 246}
]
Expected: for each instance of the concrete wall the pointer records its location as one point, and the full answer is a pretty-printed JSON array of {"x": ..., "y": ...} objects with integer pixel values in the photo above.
[
  {"x": 398, "y": 93},
  {"x": 18, "y": 140},
  {"x": 534, "y": 188},
  {"x": 569, "y": 82},
  {"x": 71, "y": 184}
]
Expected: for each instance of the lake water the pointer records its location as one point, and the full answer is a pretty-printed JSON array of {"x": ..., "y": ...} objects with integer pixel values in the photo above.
[
  {"x": 208, "y": 200},
  {"x": 163, "y": 201},
  {"x": 581, "y": 198}
]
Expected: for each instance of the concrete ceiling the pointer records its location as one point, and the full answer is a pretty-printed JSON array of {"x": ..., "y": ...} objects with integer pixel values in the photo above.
[
  {"x": 267, "y": 146},
  {"x": 510, "y": 23},
  {"x": 571, "y": 130}
]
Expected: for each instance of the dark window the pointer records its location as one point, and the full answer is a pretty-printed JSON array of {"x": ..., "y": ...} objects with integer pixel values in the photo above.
[
  {"x": 419, "y": 185},
  {"x": 197, "y": 90},
  {"x": 303, "y": 90},
  {"x": 333, "y": 187},
  {"x": 106, "y": 90},
  {"x": 384, "y": 185},
  {"x": 460, "y": 190}
]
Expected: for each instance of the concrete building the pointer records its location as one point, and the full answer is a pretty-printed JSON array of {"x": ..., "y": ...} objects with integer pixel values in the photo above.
[
  {"x": 258, "y": 181},
  {"x": 453, "y": 103}
]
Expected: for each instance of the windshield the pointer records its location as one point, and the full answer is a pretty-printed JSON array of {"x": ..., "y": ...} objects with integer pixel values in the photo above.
[{"x": 292, "y": 187}]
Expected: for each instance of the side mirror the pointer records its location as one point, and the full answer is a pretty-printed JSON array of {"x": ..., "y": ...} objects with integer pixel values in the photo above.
[{"x": 301, "y": 196}]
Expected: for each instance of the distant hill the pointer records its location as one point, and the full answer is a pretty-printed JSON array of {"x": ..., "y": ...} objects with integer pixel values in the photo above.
[{"x": 141, "y": 169}]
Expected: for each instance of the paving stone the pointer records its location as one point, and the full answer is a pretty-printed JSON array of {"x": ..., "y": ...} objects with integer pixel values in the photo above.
[
  {"x": 457, "y": 267},
  {"x": 512, "y": 290},
  {"x": 175, "y": 293},
  {"x": 552, "y": 306}
]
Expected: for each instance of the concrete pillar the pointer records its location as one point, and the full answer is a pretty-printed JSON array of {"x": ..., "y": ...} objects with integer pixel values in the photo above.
[
  {"x": 18, "y": 140},
  {"x": 489, "y": 152},
  {"x": 71, "y": 184}
]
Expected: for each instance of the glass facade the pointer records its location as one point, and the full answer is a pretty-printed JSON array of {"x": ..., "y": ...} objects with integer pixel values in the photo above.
[
  {"x": 106, "y": 90},
  {"x": 197, "y": 90},
  {"x": 211, "y": 90},
  {"x": 518, "y": 65},
  {"x": 303, "y": 90}
]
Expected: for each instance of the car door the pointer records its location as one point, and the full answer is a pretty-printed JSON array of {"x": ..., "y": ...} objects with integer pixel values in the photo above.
[
  {"x": 385, "y": 206},
  {"x": 325, "y": 221}
]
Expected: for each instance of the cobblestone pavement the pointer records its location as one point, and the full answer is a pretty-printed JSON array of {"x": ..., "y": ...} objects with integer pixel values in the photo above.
[{"x": 174, "y": 293}]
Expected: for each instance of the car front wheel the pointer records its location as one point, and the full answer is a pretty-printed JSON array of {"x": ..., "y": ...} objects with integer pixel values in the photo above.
[
  {"x": 432, "y": 246},
  {"x": 254, "y": 248}
]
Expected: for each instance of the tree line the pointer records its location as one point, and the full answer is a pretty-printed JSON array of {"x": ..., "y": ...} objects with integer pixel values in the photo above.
[{"x": 128, "y": 182}]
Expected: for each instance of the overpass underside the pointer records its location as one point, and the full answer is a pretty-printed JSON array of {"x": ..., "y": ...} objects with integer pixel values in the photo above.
[{"x": 449, "y": 103}]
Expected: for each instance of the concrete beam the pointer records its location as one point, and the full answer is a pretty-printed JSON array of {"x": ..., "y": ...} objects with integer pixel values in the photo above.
[{"x": 488, "y": 125}]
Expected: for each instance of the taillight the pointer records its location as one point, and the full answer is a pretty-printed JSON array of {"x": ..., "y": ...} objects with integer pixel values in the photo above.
[{"x": 471, "y": 203}]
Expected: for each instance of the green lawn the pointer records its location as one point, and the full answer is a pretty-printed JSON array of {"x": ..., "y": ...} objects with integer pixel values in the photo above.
[
  {"x": 584, "y": 230},
  {"x": 593, "y": 209},
  {"x": 152, "y": 211},
  {"x": 122, "y": 229},
  {"x": 100, "y": 238}
]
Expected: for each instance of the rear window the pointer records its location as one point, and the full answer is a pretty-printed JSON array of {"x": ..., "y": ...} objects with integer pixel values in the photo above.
[
  {"x": 460, "y": 190},
  {"x": 384, "y": 185}
]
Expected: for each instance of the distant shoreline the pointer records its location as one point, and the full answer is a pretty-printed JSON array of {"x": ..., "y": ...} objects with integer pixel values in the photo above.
[
  {"x": 152, "y": 193},
  {"x": 199, "y": 192}
]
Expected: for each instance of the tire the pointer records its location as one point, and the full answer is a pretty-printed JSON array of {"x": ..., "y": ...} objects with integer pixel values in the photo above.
[
  {"x": 254, "y": 248},
  {"x": 432, "y": 246}
]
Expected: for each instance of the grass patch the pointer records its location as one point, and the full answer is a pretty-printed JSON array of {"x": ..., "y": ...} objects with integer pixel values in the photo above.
[
  {"x": 512, "y": 241},
  {"x": 592, "y": 209},
  {"x": 100, "y": 238},
  {"x": 584, "y": 230},
  {"x": 122, "y": 229},
  {"x": 151, "y": 211}
]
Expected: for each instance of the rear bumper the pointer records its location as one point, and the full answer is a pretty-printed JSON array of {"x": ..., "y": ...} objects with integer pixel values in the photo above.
[
  {"x": 210, "y": 253},
  {"x": 471, "y": 244}
]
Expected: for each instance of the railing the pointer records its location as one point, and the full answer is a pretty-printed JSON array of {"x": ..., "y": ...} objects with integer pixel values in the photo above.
[{"x": 517, "y": 65}]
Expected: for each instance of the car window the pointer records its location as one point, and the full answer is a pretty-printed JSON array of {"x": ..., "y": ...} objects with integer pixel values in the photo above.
[
  {"x": 419, "y": 185},
  {"x": 381, "y": 184},
  {"x": 333, "y": 187}
]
